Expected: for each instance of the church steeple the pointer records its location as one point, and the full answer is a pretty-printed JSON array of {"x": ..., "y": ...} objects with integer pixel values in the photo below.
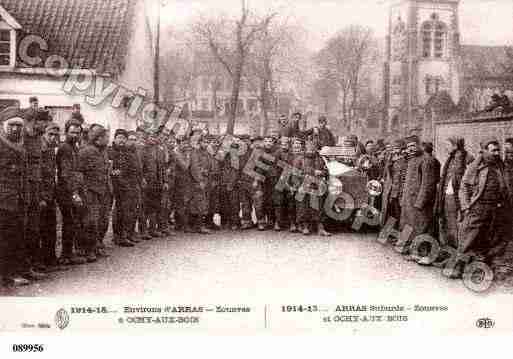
[{"x": 422, "y": 58}]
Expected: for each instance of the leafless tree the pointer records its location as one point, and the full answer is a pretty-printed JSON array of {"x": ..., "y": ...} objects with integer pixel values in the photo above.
[
  {"x": 230, "y": 42},
  {"x": 343, "y": 60},
  {"x": 274, "y": 57}
]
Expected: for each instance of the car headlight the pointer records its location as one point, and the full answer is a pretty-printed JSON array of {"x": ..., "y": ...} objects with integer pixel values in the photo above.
[
  {"x": 374, "y": 188},
  {"x": 335, "y": 186}
]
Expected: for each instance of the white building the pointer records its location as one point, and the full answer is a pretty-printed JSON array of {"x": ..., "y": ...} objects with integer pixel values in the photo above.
[{"x": 107, "y": 44}]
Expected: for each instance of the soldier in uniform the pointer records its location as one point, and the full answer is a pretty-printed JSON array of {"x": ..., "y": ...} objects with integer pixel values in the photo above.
[
  {"x": 142, "y": 222},
  {"x": 171, "y": 171},
  {"x": 32, "y": 141},
  {"x": 199, "y": 168},
  {"x": 448, "y": 207},
  {"x": 12, "y": 162},
  {"x": 486, "y": 205},
  {"x": 419, "y": 190},
  {"x": 124, "y": 180},
  {"x": 248, "y": 190},
  {"x": 231, "y": 171},
  {"x": 94, "y": 169},
  {"x": 48, "y": 219},
  {"x": 163, "y": 160},
  {"x": 283, "y": 197},
  {"x": 215, "y": 183},
  {"x": 394, "y": 177},
  {"x": 183, "y": 185},
  {"x": 153, "y": 173},
  {"x": 322, "y": 135},
  {"x": 310, "y": 206},
  {"x": 70, "y": 193}
]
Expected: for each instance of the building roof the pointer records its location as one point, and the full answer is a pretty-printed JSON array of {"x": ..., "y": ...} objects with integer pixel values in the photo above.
[
  {"x": 89, "y": 34},
  {"x": 484, "y": 61}
]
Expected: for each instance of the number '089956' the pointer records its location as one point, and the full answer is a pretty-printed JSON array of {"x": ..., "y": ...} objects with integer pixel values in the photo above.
[{"x": 27, "y": 347}]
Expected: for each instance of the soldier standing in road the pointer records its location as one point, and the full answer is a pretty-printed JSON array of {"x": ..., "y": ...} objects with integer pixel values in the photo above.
[
  {"x": 310, "y": 207},
  {"x": 486, "y": 205},
  {"x": 183, "y": 185},
  {"x": 48, "y": 219},
  {"x": 448, "y": 207},
  {"x": 280, "y": 196},
  {"x": 142, "y": 221},
  {"x": 32, "y": 141},
  {"x": 154, "y": 179},
  {"x": 12, "y": 162},
  {"x": 124, "y": 180},
  {"x": 199, "y": 168},
  {"x": 69, "y": 194},
  {"x": 419, "y": 191},
  {"x": 95, "y": 171},
  {"x": 322, "y": 135},
  {"x": 394, "y": 177},
  {"x": 215, "y": 183}
]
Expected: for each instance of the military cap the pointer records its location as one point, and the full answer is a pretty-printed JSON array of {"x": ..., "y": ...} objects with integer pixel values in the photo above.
[
  {"x": 122, "y": 132},
  {"x": 52, "y": 126},
  {"x": 488, "y": 140},
  {"x": 11, "y": 112},
  {"x": 412, "y": 139}
]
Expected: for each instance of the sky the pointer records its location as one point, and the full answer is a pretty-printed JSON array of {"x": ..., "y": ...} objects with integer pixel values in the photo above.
[{"x": 482, "y": 22}]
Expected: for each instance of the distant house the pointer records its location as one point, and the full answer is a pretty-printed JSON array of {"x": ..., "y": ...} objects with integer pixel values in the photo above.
[{"x": 103, "y": 42}]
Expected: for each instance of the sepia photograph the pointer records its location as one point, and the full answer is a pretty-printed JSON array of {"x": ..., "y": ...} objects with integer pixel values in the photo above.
[{"x": 256, "y": 166}]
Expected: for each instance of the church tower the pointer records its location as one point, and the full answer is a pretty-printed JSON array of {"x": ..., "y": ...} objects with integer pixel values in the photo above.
[{"x": 422, "y": 58}]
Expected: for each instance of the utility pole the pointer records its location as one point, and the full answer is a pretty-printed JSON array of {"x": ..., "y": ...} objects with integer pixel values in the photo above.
[{"x": 156, "y": 75}]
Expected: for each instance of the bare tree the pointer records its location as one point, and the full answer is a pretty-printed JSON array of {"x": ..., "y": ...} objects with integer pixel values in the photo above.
[
  {"x": 343, "y": 60},
  {"x": 274, "y": 57},
  {"x": 230, "y": 43}
]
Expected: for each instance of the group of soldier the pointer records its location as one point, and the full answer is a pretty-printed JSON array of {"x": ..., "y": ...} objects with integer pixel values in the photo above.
[
  {"x": 464, "y": 206},
  {"x": 148, "y": 184},
  {"x": 151, "y": 184}
]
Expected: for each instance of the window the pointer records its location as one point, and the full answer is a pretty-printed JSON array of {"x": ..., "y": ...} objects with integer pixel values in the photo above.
[
  {"x": 204, "y": 84},
  {"x": 399, "y": 40},
  {"x": 5, "y": 47},
  {"x": 204, "y": 104},
  {"x": 434, "y": 38},
  {"x": 434, "y": 84}
]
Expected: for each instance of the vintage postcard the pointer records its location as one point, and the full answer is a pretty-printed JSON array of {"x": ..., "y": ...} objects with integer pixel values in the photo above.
[{"x": 256, "y": 167}]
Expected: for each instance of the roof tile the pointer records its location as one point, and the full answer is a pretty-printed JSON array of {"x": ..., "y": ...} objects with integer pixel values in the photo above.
[{"x": 91, "y": 34}]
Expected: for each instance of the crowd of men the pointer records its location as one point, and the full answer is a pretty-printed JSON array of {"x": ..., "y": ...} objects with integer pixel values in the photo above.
[{"x": 155, "y": 184}]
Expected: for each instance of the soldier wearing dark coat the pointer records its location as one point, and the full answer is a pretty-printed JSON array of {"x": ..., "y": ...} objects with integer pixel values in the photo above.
[
  {"x": 154, "y": 178},
  {"x": 231, "y": 171},
  {"x": 183, "y": 185},
  {"x": 142, "y": 223},
  {"x": 321, "y": 135},
  {"x": 248, "y": 188},
  {"x": 94, "y": 169},
  {"x": 200, "y": 170},
  {"x": 215, "y": 183},
  {"x": 283, "y": 197},
  {"x": 125, "y": 178},
  {"x": 310, "y": 206},
  {"x": 448, "y": 207},
  {"x": 486, "y": 205},
  {"x": 171, "y": 173},
  {"x": 419, "y": 190},
  {"x": 12, "y": 176},
  {"x": 70, "y": 193},
  {"x": 32, "y": 142},
  {"x": 257, "y": 178},
  {"x": 48, "y": 218},
  {"x": 394, "y": 177}
]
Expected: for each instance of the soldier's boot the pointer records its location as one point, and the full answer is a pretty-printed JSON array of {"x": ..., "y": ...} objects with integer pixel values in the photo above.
[
  {"x": 202, "y": 226},
  {"x": 261, "y": 225},
  {"x": 15, "y": 281},
  {"x": 277, "y": 221},
  {"x": 322, "y": 231},
  {"x": 245, "y": 224},
  {"x": 293, "y": 228},
  {"x": 305, "y": 230}
]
